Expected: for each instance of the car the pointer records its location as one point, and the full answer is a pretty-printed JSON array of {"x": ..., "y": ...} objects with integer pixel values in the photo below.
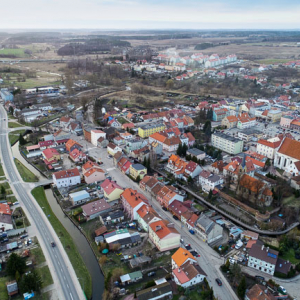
[
  {"x": 164, "y": 208},
  {"x": 260, "y": 278},
  {"x": 53, "y": 244},
  {"x": 219, "y": 282},
  {"x": 175, "y": 218},
  {"x": 282, "y": 290},
  {"x": 151, "y": 274}
]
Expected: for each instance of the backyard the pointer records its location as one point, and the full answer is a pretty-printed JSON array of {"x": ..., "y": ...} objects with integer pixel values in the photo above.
[
  {"x": 14, "y": 125},
  {"x": 26, "y": 174},
  {"x": 14, "y": 136},
  {"x": 68, "y": 244}
]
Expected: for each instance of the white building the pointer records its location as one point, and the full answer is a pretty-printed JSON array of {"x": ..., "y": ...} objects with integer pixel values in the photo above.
[
  {"x": 66, "y": 178},
  {"x": 263, "y": 259},
  {"x": 268, "y": 147},
  {"x": 95, "y": 135},
  {"x": 209, "y": 181}
]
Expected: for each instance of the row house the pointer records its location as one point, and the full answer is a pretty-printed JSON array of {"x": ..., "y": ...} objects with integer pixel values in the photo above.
[
  {"x": 66, "y": 178},
  {"x": 111, "y": 190},
  {"x": 112, "y": 149},
  {"x": 146, "y": 215},
  {"x": 124, "y": 165},
  {"x": 245, "y": 121},
  {"x": 71, "y": 145},
  {"x": 230, "y": 122},
  {"x": 167, "y": 195}
]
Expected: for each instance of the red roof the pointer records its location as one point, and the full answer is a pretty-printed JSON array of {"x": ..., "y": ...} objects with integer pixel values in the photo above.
[
  {"x": 5, "y": 209},
  {"x": 46, "y": 143},
  {"x": 66, "y": 173},
  {"x": 50, "y": 152},
  {"x": 109, "y": 186}
]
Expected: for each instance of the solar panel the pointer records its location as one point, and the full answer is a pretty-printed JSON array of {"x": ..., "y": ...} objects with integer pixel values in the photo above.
[{"x": 272, "y": 255}]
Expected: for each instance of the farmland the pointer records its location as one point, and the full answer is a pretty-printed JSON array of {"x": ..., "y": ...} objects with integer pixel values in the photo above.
[{"x": 17, "y": 53}]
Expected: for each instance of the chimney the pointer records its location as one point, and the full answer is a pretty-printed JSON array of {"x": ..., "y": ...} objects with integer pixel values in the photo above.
[
  {"x": 267, "y": 249},
  {"x": 262, "y": 247},
  {"x": 178, "y": 270},
  {"x": 157, "y": 228},
  {"x": 171, "y": 225}
]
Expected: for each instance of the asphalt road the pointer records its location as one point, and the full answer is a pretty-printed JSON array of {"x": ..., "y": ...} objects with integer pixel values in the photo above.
[{"x": 69, "y": 286}]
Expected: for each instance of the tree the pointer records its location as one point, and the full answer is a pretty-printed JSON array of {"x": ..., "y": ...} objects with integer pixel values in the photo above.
[
  {"x": 190, "y": 179},
  {"x": 179, "y": 150},
  {"x": 219, "y": 157},
  {"x": 241, "y": 289},
  {"x": 22, "y": 141},
  {"x": 3, "y": 192},
  {"x": 11, "y": 110},
  {"x": 210, "y": 194},
  {"x": 15, "y": 263},
  {"x": 102, "y": 260},
  {"x": 169, "y": 84},
  {"x": 184, "y": 149},
  {"x": 145, "y": 162},
  {"x": 30, "y": 282},
  {"x": 236, "y": 272},
  {"x": 148, "y": 163}
]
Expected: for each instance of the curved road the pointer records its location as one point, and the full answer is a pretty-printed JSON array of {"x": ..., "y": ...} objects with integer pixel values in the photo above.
[{"x": 64, "y": 275}]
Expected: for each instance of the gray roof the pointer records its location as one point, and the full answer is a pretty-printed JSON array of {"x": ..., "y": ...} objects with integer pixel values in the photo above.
[
  {"x": 12, "y": 287},
  {"x": 6, "y": 219},
  {"x": 114, "y": 214},
  {"x": 135, "y": 237},
  {"x": 264, "y": 253},
  {"x": 149, "y": 126},
  {"x": 214, "y": 178},
  {"x": 195, "y": 151},
  {"x": 154, "y": 292},
  {"x": 204, "y": 221},
  {"x": 227, "y": 137},
  {"x": 250, "y": 131},
  {"x": 138, "y": 167}
]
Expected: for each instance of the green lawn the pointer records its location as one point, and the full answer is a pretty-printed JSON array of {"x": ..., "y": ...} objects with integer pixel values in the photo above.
[
  {"x": 199, "y": 207},
  {"x": 1, "y": 171},
  {"x": 38, "y": 255},
  {"x": 3, "y": 290},
  {"x": 26, "y": 174},
  {"x": 45, "y": 275},
  {"x": 292, "y": 201},
  {"x": 20, "y": 218},
  {"x": 14, "y": 125},
  {"x": 15, "y": 52},
  {"x": 290, "y": 256},
  {"x": 14, "y": 136},
  {"x": 68, "y": 243}
]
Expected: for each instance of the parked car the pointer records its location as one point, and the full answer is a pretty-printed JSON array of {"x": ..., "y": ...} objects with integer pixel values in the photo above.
[
  {"x": 175, "y": 218},
  {"x": 219, "y": 282},
  {"x": 282, "y": 290},
  {"x": 164, "y": 208},
  {"x": 151, "y": 274}
]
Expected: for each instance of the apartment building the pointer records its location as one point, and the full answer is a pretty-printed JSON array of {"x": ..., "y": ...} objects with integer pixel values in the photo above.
[
  {"x": 227, "y": 143},
  {"x": 148, "y": 129}
]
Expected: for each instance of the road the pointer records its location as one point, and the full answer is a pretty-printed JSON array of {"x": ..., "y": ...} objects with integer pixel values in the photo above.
[
  {"x": 209, "y": 260},
  {"x": 63, "y": 274}
]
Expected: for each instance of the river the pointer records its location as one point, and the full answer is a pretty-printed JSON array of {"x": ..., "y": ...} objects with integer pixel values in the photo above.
[{"x": 79, "y": 240}]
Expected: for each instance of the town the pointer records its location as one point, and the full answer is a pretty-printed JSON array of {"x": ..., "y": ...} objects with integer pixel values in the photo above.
[{"x": 136, "y": 189}]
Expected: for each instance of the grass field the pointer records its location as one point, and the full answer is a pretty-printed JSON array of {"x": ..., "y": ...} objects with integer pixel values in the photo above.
[
  {"x": 290, "y": 256},
  {"x": 15, "y": 52},
  {"x": 14, "y": 136},
  {"x": 3, "y": 290},
  {"x": 38, "y": 255},
  {"x": 68, "y": 244},
  {"x": 26, "y": 175},
  {"x": 45, "y": 275},
  {"x": 14, "y": 125},
  {"x": 292, "y": 201},
  {"x": 1, "y": 171}
]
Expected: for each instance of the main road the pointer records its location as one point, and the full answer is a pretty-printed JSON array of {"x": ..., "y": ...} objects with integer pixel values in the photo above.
[{"x": 64, "y": 276}]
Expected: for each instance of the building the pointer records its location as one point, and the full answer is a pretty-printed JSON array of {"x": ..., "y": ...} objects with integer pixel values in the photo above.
[
  {"x": 259, "y": 292},
  {"x": 131, "y": 277},
  {"x": 122, "y": 238},
  {"x": 147, "y": 215},
  {"x": 137, "y": 170},
  {"x": 6, "y": 222},
  {"x": 274, "y": 115},
  {"x": 66, "y": 178},
  {"x": 268, "y": 147},
  {"x": 148, "y": 129},
  {"x": 160, "y": 291},
  {"x": 6, "y": 95},
  {"x": 30, "y": 114},
  {"x": 51, "y": 155},
  {"x": 245, "y": 121},
  {"x": 227, "y": 143},
  {"x": 79, "y": 197},
  {"x": 94, "y": 209},
  {"x": 132, "y": 201},
  {"x": 163, "y": 235},
  {"x": 71, "y": 145},
  {"x": 64, "y": 122},
  {"x": 167, "y": 195},
  {"x": 249, "y": 134},
  {"x": 77, "y": 156},
  {"x": 287, "y": 157},
  {"x": 295, "y": 125},
  {"x": 209, "y": 181},
  {"x": 180, "y": 257},
  {"x": 12, "y": 288},
  {"x": 194, "y": 152},
  {"x": 112, "y": 149},
  {"x": 188, "y": 274},
  {"x": 112, "y": 191},
  {"x": 263, "y": 259},
  {"x": 113, "y": 217},
  {"x": 229, "y": 122},
  {"x": 285, "y": 121},
  {"x": 219, "y": 114},
  {"x": 93, "y": 175},
  {"x": 95, "y": 135}
]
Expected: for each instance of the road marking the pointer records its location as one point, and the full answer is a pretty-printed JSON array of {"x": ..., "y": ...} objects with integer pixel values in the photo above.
[
  {"x": 71, "y": 296},
  {"x": 110, "y": 169},
  {"x": 68, "y": 286}
]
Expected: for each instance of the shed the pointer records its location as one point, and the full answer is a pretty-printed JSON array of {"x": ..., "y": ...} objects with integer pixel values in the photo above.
[{"x": 79, "y": 197}]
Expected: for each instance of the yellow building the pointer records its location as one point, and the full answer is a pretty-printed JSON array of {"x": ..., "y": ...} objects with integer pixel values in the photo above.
[
  {"x": 137, "y": 170},
  {"x": 229, "y": 122},
  {"x": 148, "y": 129},
  {"x": 112, "y": 190},
  {"x": 274, "y": 115}
]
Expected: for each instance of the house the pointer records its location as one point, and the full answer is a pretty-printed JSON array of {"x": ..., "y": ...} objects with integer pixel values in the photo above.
[
  {"x": 6, "y": 95},
  {"x": 5, "y": 209},
  {"x": 131, "y": 277},
  {"x": 113, "y": 217},
  {"x": 64, "y": 122},
  {"x": 287, "y": 157},
  {"x": 132, "y": 201},
  {"x": 112, "y": 149},
  {"x": 66, "y": 178},
  {"x": 192, "y": 170},
  {"x": 101, "y": 230},
  {"x": 209, "y": 181},
  {"x": 94, "y": 175},
  {"x": 79, "y": 197},
  {"x": 148, "y": 129},
  {"x": 6, "y": 222},
  {"x": 71, "y": 145},
  {"x": 190, "y": 273},
  {"x": 112, "y": 191},
  {"x": 219, "y": 114},
  {"x": 77, "y": 156},
  {"x": 254, "y": 190},
  {"x": 122, "y": 238},
  {"x": 46, "y": 144},
  {"x": 75, "y": 128},
  {"x": 249, "y": 235},
  {"x": 191, "y": 139},
  {"x": 250, "y": 134},
  {"x": 262, "y": 258},
  {"x": 167, "y": 195},
  {"x": 12, "y": 288},
  {"x": 139, "y": 261},
  {"x": 95, "y": 135},
  {"x": 217, "y": 167},
  {"x": 180, "y": 257},
  {"x": 295, "y": 182},
  {"x": 137, "y": 171},
  {"x": 94, "y": 209},
  {"x": 43, "y": 106},
  {"x": 146, "y": 215},
  {"x": 51, "y": 155},
  {"x": 128, "y": 125},
  {"x": 259, "y": 292},
  {"x": 283, "y": 266},
  {"x": 176, "y": 166},
  {"x": 126, "y": 136},
  {"x": 194, "y": 152},
  {"x": 177, "y": 208},
  {"x": 124, "y": 165},
  {"x": 208, "y": 230},
  {"x": 245, "y": 121},
  {"x": 160, "y": 291},
  {"x": 268, "y": 147},
  {"x": 163, "y": 235}
]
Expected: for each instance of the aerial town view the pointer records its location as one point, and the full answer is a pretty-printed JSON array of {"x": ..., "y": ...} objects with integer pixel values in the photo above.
[{"x": 150, "y": 150}]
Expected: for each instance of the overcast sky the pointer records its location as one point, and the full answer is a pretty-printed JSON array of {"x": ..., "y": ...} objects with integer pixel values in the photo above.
[{"x": 151, "y": 14}]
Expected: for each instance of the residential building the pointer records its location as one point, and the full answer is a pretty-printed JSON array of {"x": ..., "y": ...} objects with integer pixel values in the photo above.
[
  {"x": 131, "y": 277},
  {"x": 146, "y": 215},
  {"x": 137, "y": 170},
  {"x": 123, "y": 238},
  {"x": 95, "y": 135},
  {"x": 259, "y": 292},
  {"x": 160, "y": 291},
  {"x": 217, "y": 167},
  {"x": 262, "y": 258},
  {"x": 274, "y": 115},
  {"x": 6, "y": 95},
  {"x": 148, "y": 129},
  {"x": 71, "y": 145},
  {"x": 66, "y": 178},
  {"x": 268, "y": 147},
  {"x": 177, "y": 208},
  {"x": 188, "y": 274},
  {"x": 287, "y": 157},
  {"x": 12, "y": 288},
  {"x": 6, "y": 222},
  {"x": 176, "y": 166},
  {"x": 132, "y": 201},
  {"x": 285, "y": 121},
  {"x": 167, "y": 195},
  {"x": 94, "y": 209},
  {"x": 227, "y": 143},
  {"x": 64, "y": 122},
  {"x": 192, "y": 170},
  {"x": 250, "y": 134},
  {"x": 209, "y": 181},
  {"x": 93, "y": 175},
  {"x": 180, "y": 257},
  {"x": 245, "y": 121},
  {"x": 229, "y": 122},
  {"x": 163, "y": 235},
  {"x": 79, "y": 197},
  {"x": 112, "y": 191},
  {"x": 75, "y": 128},
  {"x": 112, "y": 149},
  {"x": 124, "y": 165},
  {"x": 77, "y": 156},
  {"x": 51, "y": 155},
  {"x": 219, "y": 114},
  {"x": 113, "y": 217},
  {"x": 194, "y": 152}
]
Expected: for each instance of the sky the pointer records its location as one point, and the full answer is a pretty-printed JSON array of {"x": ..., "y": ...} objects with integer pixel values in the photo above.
[{"x": 150, "y": 14}]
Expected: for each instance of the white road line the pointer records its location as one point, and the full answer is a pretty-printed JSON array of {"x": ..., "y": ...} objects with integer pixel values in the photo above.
[{"x": 71, "y": 296}]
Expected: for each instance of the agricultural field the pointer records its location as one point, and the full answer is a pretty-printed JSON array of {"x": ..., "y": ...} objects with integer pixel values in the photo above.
[{"x": 17, "y": 53}]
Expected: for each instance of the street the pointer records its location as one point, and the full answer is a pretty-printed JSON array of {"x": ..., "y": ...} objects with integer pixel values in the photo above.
[{"x": 63, "y": 274}]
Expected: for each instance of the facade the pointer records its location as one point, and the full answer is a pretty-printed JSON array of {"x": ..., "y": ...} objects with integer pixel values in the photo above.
[
  {"x": 249, "y": 134},
  {"x": 163, "y": 235},
  {"x": 268, "y": 147},
  {"x": 95, "y": 135},
  {"x": 112, "y": 191},
  {"x": 6, "y": 95},
  {"x": 112, "y": 149},
  {"x": 94, "y": 175},
  {"x": 219, "y": 114},
  {"x": 229, "y": 122},
  {"x": 66, "y": 178},
  {"x": 147, "y": 215},
  {"x": 245, "y": 121},
  {"x": 194, "y": 152},
  {"x": 137, "y": 170},
  {"x": 180, "y": 257},
  {"x": 285, "y": 121},
  {"x": 148, "y": 129},
  {"x": 209, "y": 181},
  {"x": 263, "y": 259},
  {"x": 227, "y": 143}
]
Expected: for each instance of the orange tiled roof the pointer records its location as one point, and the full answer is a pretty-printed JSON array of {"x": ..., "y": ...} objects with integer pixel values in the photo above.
[
  {"x": 232, "y": 119},
  {"x": 181, "y": 255},
  {"x": 133, "y": 198},
  {"x": 250, "y": 183},
  {"x": 290, "y": 148},
  {"x": 164, "y": 229}
]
